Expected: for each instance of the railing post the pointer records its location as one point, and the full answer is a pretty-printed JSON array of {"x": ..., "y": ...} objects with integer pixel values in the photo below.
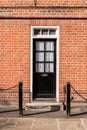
[
  {"x": 20, "y": 98},
  {"x": 68, "y": 107}
]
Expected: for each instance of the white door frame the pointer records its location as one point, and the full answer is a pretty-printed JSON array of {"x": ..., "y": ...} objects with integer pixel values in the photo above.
[{"x": 57, "y": 56}]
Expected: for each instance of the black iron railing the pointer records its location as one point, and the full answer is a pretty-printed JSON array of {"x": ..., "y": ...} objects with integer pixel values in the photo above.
[
  {"x": 20, "y": 98},
  {"x": 19, "y": 86},
  {"x": 66, "y": 103},
  {"x": 68, "y": 98}
]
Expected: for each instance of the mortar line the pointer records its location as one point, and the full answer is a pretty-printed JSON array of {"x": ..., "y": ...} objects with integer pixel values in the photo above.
[
  {"x": 83, "y": 123},
  {"x": 32, "y": 124},
  {"x": 58, "y": 124}
]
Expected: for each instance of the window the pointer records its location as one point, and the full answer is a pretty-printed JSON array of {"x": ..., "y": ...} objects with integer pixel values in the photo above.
[
  {"x": 44, "y": 54},
  {"x": 37, "y": 32},
  {"x": 42, "y": 32},
  {"x": 52, "y": 32}
]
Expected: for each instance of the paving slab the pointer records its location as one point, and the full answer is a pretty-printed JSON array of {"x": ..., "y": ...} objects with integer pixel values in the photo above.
[
  {"x": 45, "y": 124},
  {"x": 18, "y": 124},
  {"x": 71, "y": 124},
  {"x": 45, "y": 127},
  {"x": 45, "y": 121}
]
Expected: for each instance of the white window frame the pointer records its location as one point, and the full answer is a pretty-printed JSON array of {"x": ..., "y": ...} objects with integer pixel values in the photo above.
[{"x": 57, "y": 56}]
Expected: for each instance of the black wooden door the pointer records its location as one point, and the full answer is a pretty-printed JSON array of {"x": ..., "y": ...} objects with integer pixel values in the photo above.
[{"x": 44, "y": 68}]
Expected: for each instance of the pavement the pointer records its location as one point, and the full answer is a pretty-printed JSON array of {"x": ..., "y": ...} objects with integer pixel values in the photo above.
[
  {"x": 43, "y": 120},
  {"x": 54, "y": 120},
  {"x": 43, "y": 123}
]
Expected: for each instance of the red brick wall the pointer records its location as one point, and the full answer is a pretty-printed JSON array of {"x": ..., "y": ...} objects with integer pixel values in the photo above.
[
  {"x": 15, "y": 52},
  {"x": 15, "y": 42},
  {"x": 43, "y": 2},
  {"x": 14, "y": 55},
  {"x": 16, "y": 2},
  {"x": 62, "y": 2}
]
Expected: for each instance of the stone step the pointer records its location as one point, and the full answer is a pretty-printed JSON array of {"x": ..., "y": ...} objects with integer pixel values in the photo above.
[{"x": 43, "y": 106}]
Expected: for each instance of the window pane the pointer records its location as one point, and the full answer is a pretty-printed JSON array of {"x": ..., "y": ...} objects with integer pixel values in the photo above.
[
  {"x": 52, "y": 31},
  {"x": 44, "y": 31},
  {"x": 49, "y": 56},
  {"x": 49, "y": 46},
  {"x": 49, "y": 67},
  {"x": 37, "y": 32},
  {"x": 39, "y": 46},
  {"x": 39, "y": 67},
  {"x": 39, "y": 56}
]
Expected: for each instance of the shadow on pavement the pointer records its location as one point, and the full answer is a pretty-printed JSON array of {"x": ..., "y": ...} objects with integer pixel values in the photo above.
[
  {"x": 79, "y": 114},
  {"x": 6, "y": 111},
  {"x": 38, "y": 113},
  {"x": 48, "y": 114}
]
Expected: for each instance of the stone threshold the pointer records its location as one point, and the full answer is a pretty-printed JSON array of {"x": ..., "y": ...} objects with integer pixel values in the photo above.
[{"x": 43, "y": 106}]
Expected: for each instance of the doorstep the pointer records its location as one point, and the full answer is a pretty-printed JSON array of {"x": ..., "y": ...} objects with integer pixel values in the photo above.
[{"x": 44, "y": 106}]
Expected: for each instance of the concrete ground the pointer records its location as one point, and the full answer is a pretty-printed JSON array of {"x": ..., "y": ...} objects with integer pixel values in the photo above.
[
  {"x": 43, "y": 123},
  {"x": 43, "y": 120}
]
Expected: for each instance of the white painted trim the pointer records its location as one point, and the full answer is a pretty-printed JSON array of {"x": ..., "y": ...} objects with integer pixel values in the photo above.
[
  {"x": 31, "y": 66},
  {"x": 57, "y": 56},
  {"x": 45, "y": 36},
  {"x": 57, "y": 66}
]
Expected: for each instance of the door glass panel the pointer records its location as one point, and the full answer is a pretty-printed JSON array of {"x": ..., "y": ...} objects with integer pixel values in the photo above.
[
  {"x": 49, "y": 67},
  {"x": 39, "y": 67},
  {"x": 49, "y": 56},
  {"x": 39, "y": 46},
  {"x": 39, "y": 56},
  {"x": 49, "y": 46}
]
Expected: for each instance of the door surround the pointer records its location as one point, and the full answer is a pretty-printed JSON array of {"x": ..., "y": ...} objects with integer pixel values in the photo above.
[{"x": 56, "y": 36}]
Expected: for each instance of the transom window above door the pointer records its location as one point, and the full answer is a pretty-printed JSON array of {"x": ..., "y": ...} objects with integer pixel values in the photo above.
[{"x": 42, "y": 32}]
